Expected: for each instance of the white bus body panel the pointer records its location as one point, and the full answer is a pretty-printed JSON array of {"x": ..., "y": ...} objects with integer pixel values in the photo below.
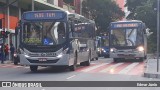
[{"x": 127, "y": 55}]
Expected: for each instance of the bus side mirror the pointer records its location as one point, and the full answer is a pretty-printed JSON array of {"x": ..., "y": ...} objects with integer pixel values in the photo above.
[{"x": 147, "y": 32}]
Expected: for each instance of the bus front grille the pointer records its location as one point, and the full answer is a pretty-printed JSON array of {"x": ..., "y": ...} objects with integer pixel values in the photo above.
[{"x": 48, "y": 61}]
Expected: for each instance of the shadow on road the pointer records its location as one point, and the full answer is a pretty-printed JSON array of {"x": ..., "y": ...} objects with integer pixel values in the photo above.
[{"x": 46, "y": 70}]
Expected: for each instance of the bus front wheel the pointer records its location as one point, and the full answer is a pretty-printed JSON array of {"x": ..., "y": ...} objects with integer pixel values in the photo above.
[
  {"x": 87, "y": 63},
  {"x": 74, "y": 66},
  {"x": 33, "y": 68},
  {"x": 115, "y": 59}
]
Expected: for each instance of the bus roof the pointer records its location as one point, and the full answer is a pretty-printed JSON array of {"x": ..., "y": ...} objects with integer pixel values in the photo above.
[{"x": 80, "y": 18}]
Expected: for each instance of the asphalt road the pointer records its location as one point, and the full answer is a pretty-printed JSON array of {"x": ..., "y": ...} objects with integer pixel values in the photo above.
[{"x": 101, "y": 70}]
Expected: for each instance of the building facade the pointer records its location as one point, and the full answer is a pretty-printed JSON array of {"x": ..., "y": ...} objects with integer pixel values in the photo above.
[
  {"x": 11, "y": 11},
  {"x": 121, "y": 4}
]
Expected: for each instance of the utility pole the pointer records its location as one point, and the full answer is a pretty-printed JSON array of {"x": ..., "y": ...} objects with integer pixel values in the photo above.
[
  {"x": 3, "y": 44},
  {"x": 158, "y": 34}
]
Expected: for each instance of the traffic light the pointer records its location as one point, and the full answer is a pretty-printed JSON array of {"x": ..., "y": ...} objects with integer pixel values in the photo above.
[{"x": 4, "y": 34}]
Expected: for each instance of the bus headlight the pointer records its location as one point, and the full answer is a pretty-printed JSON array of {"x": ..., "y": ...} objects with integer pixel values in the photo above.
[
  {"x": 60, "y": 55},
  {"x": 112, "y": 50},
  {"x": 26, "y": 55},
  {"x": 103, "y": 50},
  {"x": 140, "y": 48}
]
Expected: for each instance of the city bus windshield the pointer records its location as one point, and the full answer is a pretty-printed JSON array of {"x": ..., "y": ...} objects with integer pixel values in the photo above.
[
  {"x": 44, "y": 33},
  {"x": 126, "y": 37}
]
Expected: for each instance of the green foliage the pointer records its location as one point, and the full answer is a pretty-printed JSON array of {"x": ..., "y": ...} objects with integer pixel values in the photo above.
[
  {"x": 145, "y": 10},
  {"x": 103, "y": 12}
]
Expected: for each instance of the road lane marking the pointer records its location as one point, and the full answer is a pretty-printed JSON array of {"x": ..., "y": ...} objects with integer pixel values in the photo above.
[
  {"x": 128, "y": 68},
  {"x": 112, "y": 67},
  {"x": 94, "y": 67},
  {"x": 17, "y": 66},
  {"x": 26, "y": 67},
  {"x": 71, "y": 76}
]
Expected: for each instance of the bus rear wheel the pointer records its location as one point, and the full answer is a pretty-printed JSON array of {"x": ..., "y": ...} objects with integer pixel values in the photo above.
[
  {"x": 87, "y": 63},
  {"x": 33, "y": 68},
  {"x": 96, "y": 58},
  {"x": 115, "y": 59},
  {"x": 141, "y": 59},
  {"x": 74, "y": 66}
]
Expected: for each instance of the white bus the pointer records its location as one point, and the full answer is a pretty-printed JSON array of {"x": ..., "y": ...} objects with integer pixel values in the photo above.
[
  {"x": 128, "y": 40},
  {"x": 55, "y": 38}
]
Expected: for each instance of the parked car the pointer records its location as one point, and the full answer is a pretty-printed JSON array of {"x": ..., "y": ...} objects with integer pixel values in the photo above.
[{"x": 103, "y": 51}]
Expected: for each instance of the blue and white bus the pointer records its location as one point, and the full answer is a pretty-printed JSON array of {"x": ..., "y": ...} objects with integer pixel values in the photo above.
[
  {"x": 128, "y": 40},
  {"x": 56, "y": 38}
]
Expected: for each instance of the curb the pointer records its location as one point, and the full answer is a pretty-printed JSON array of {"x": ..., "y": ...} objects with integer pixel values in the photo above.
[
  {"x": 152, "y": 75},
  {"x": 149, "y": 74},
  {"x": 8, "y": 62}
]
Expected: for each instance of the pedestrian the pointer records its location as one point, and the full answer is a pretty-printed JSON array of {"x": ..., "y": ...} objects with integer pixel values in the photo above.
[
  {"x": 12, "y": 50},
  {"x": 6, "y": 50},
  {"x": 2, "y": 54}
]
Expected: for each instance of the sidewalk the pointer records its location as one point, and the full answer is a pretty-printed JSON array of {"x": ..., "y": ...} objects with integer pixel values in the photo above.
[
  {"x": 7, "y": 62},
  {"x": 151, "y": 68}
]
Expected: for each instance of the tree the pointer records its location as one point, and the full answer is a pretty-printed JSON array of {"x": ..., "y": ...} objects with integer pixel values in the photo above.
[
  {"x": 103, "y": 12},
  {"x": 145, "y": 10}
]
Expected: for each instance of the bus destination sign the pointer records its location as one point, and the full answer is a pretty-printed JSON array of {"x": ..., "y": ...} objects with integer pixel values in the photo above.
[
  {"x": 43, "y": 15},
  {"x": 125, "y": 25}
]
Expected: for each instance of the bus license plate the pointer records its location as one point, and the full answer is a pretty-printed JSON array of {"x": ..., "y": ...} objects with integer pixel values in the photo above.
[{"x": 42, "y": 59}]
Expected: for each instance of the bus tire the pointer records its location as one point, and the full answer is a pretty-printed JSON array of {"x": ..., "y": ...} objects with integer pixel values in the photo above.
[
  {"x": 96, "y": 58},
  {"x": 87, "y": 63},
  {"x": 115, "y": 59},
  {"x": 15, "y": 60},
  {"x": 141, "y": 59},
  {"x": 33, "y": 68},
  {"x": 145, "y": 57},
  {"x": 74, "y": 66}
]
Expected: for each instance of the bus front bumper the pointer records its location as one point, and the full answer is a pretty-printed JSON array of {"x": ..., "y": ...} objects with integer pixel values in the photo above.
[
  {"x": 45, "y": 61},
  {"x": 127, "y": 55}
]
